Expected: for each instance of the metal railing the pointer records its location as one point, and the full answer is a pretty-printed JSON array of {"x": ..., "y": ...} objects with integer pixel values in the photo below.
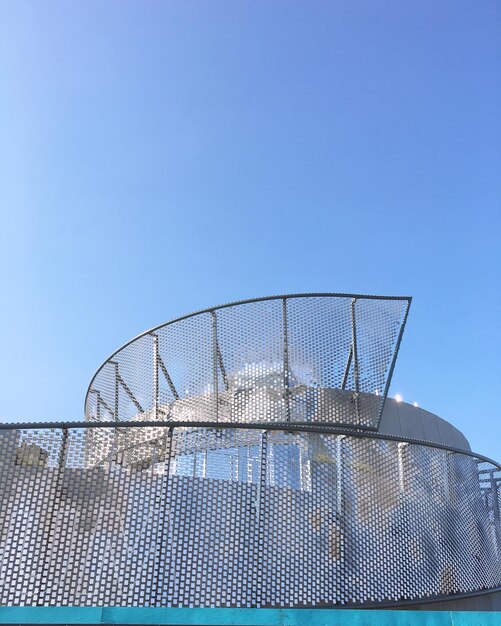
[
  {"x": 251, "y": 515},
  {"x": 323, "y": 358}
]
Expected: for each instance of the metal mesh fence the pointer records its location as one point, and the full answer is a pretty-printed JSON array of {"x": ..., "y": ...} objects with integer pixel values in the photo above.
[
  {"x": 320, "y": 358},
  {"x": 208, "y": 517}
]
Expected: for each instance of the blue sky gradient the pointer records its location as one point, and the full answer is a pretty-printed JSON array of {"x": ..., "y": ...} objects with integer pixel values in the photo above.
[{"x": 161, "y": 157}]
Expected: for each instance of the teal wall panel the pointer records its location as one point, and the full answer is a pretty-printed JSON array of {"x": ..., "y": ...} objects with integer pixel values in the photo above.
[{"x": 244, "y": 617}]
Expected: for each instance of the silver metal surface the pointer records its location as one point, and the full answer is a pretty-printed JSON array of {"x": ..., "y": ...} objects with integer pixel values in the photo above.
[
  {"x": 157, "y": 516},
  {"x": 323, "y": 358},
  {"x": 232, "y": 458}
]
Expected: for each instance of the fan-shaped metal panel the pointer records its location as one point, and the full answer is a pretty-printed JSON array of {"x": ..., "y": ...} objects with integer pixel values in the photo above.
[{"x": 321, "y": 358}]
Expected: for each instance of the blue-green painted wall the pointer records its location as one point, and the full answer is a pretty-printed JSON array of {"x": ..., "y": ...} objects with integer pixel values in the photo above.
[{"x": 244, "y": 617}]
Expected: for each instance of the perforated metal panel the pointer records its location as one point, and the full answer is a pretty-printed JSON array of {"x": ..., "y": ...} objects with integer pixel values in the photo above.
[
  {"x": 237, "y": 469},
  {"x": 318, "y": 358},
  {"x": 208, "y": 517}
]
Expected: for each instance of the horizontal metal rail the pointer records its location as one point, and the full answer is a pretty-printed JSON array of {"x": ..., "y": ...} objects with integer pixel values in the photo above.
[{"x": 264, "y": 426}]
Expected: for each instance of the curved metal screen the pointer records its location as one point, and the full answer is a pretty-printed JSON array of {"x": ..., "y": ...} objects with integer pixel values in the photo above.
[
  {"x": 208, "y": 517},
  {"x": 309, "y": 358},
  {"x": 236, "y": 470}
]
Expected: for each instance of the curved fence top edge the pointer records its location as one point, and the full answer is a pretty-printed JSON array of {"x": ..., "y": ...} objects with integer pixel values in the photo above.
[
  {"x": 286, "y": 426},
  {"x": 358, "y": 296}
]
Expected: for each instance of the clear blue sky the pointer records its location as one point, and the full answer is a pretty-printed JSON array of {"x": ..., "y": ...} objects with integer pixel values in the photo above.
[{"x": 161, "y": 157}]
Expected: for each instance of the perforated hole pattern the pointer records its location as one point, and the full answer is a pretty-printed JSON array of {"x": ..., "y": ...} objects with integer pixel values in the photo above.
[
  {"x": 220, "y": 517},
  {"x": 321, "y": 358}
]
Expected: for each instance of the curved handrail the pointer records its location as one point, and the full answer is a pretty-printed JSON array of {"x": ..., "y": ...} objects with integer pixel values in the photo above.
[{"x": 263, "y": 426}]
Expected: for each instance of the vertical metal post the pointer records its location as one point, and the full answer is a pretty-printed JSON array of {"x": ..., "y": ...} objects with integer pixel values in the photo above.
[
  {"x": 356, "y": 375},
  {"x": 258, "y": 548},
  {"x": 63, "y": 453},
  {"x": 117, "y": 390},
  {"x": 495, "y": 496},
  {"x": 495, "y": 506},
  {"x": 446, "y": 475},
  {"x": 392, "y": 365},
  {"x": 340, "y": 508},
  {"x": 215, "y": 364},
  {"x": 113, "y": 455},
  {"x": 163, "y": 564},
  {"x": 286, "y": 360},
  {"x": 155, "y": 375},
  {"x": 98, "y": 407},
  {"x": 347, "y": 368},
  {"x": 401, "y": 473},
  {"x": 339, "y": 475},
  {"x": 263, "y": 469}
]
